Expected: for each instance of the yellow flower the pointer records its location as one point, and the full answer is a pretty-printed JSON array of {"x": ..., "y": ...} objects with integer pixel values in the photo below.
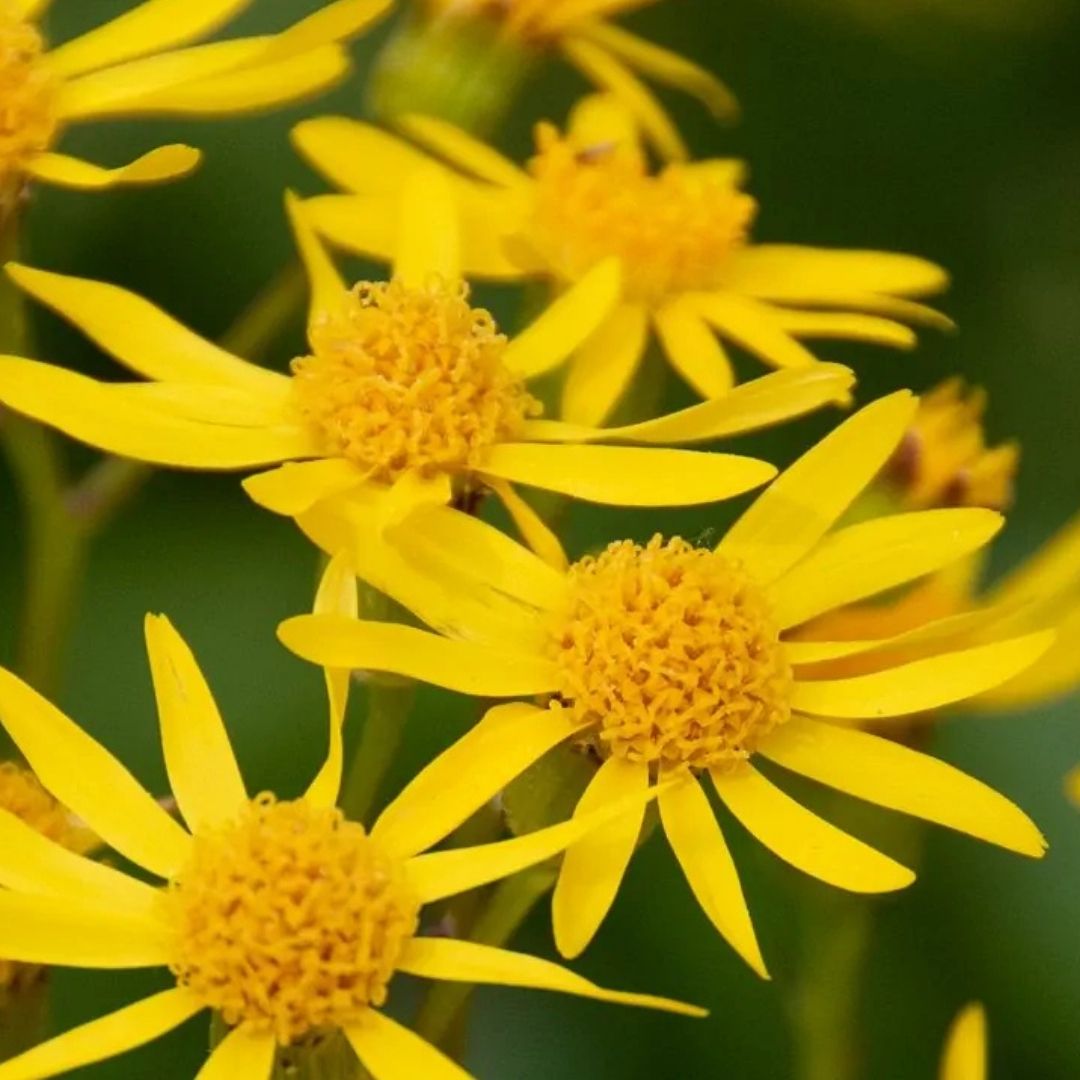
[
  {"x": 282, "y": 916},
  {"x": 606, "y": 55},
  {"x": 22, "y": 795},
  {"x": 132, "y": 66},
  {"x": 408, "y": 394},
  {"x": 674, "y": 660},
  {"x": 965, "y": 1049},
  {"x": 690, "y": 274},
  {"x": 1073, "y": 786}
]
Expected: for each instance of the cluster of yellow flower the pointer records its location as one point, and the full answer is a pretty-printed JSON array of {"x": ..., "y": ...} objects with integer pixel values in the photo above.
[{"x": 817, "y": 637}]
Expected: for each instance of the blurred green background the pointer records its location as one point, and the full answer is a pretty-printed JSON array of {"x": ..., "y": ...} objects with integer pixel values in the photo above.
[{"x": 923, "y": 131}]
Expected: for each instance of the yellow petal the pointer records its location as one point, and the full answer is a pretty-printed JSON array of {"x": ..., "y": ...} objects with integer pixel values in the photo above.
[
  {"x": 604, "y": 120},
  {"x": 215, "y": 404},
  {"x": 94, "y": 413},
  {"x": 389, "y": 1051},
  {"x": 923, "y": 684},
  {"x": 1073, "y": 786},
  {"x": 887, "y": 774},
  {"x": 328, "y": 291},
  {"x": 603, "y": 367},
  {"x": 532, "y": 527},
  {"x": 428, "y": 229},
  {"x": 31, "y": 9},
  {"x": 868, "y": 328},
  {"x": 147, "y": 28},
  {"x": 664, "y": 66},
  {"x": 806, "y": 500},
  {"x": 334, "y": 22},
  {"x": 792, "y": 273},
  {"x": 71, "y": 933},
  {"x": 695, "y": 837},
  {"x": 296, "y": 487},
  {"x": 337, "y": 642},
  {"x": 965, "y": 1048},
  {"x": 462, "y": 150},
  {"x": 288, "y": 80},
  {"x": 873, "y": 556},
  {"x": 241, "y": 1055},
  {"x": 804, "y": 840},
  {"x": 629, "y": 475},
  {"x": 164, "y": 163},
  {"x": 693, "y": 350},
  {"x": 127, "y": 1028},
  {"x": 1053, "y": 571},
  {"x": 601, "y": 67},
  {"x": 593, "y": 868},
  {"x": 140, "y": 335},
  {"x": 753, "y": 326},
  {"x": 757, "y": 404},
  {"x": 567, "y": 323},
  {"x": 199, "y": 759},
  {"x": 90, "y": 782},
  {"x": 34, "y": 864},
  {"x": 466, "y": 961},
  {"x": 336, "y": 594},
  {"x": 472, "y": 771}
]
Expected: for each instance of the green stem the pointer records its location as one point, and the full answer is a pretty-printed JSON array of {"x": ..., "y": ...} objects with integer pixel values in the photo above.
[
  {"x": 327, "y": 1057},
  {"x": 508, "y": 907}
]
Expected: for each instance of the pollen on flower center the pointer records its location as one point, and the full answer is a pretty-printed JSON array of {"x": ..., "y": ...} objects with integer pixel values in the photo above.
[
  {"x": 672, "y": 651},
  {"x": 291, "y": 920},
  {"x": 410, "y": 378},
  {"x": 27, "y": 119},
  {"x": 673, "y": 231}
]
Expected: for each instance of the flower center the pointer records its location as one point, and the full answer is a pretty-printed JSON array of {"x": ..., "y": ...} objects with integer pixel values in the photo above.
[
  {"x": 27, "y": 120},
  {"x": 673, "y": 231},
  {"x": 21, "y": 794},
  {"x": 291, "y": 920},
  {"x": 410, "y": 378},
  {"x": 944, "y": 459},
  {"x": 672, "y": 651}
]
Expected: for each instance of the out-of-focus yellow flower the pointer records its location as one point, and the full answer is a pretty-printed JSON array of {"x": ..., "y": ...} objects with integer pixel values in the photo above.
[
  {"x": 964, "y": 1057},
  {"x": 671, "y": 660},
  {"x": 132, "y": 66},
  {"x": 690, "y": 274},
  {"x": 409, "y": 395},
  {"x": 22, "y": 796},
  {"x": 944, "y": 461},
  {"x": 1072, "y": 786},
  {"x": 278, "y": 962}
]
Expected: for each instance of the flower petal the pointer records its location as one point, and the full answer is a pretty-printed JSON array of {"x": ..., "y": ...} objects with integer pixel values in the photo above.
[
  {"x": 601, "y": 67},
  {"x": 94, "y": 413},
  {"x": 694, "y": 350},
  {"x": 199, "y": 759},
  {"x": 328, "y": 291},
  {"x": 462, "y": 150},
  {"x": 241, "y": 1055},
  {"x": 1052, "y": 572},
  {"x": 466, "y": 961},
  {"x": 567, "y": 323},
  {"x": 32, "y": 863},
  {"x": 751, "y": 406},
  {"x": 390, "y": 1051},
  {"x": 873, "y": 556},
  {"x": 337, "y": 642},
  {"x": 120, "y": 1031},
  {"x": 695, "y": 837},
  {"x": 532, "y": 527},
  {"x": 149, "y": 27},
  {"x": 753, "y": 326},
  {"x": 805, "y": 501},
  {"x": 888, "y": 774},
  {"x": 64, "y": 931},
  {"x": 826, "y": 324},
  {"x": 90, "y": 782},
  {"x": 806, "y": 841},
  {"x": 629, "y": 475},
  {"x": 337, "y": 593},
  {"x": 472, "y": 771},
  {"x": 295, "y": 487},
  {"x": 594, "y": 867},
  {"x": 965, "y": 1048},
  {"x": 603, "y": 367},
  {"x": 429, "y": 228},
  {"x": 140, "y": 335},
  {"x": 922, "y": 685},
  {"x": 164, "y": 163}
]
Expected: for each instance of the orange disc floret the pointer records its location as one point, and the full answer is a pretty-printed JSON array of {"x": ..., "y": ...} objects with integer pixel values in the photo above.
[
  {"x": 672, "y": 231},
  {"x": 292, "y": 920},
  {"x": 673, "y": 653},
  {"x": 27, "y": 119},
  {"x": 410, "y": 378}
]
